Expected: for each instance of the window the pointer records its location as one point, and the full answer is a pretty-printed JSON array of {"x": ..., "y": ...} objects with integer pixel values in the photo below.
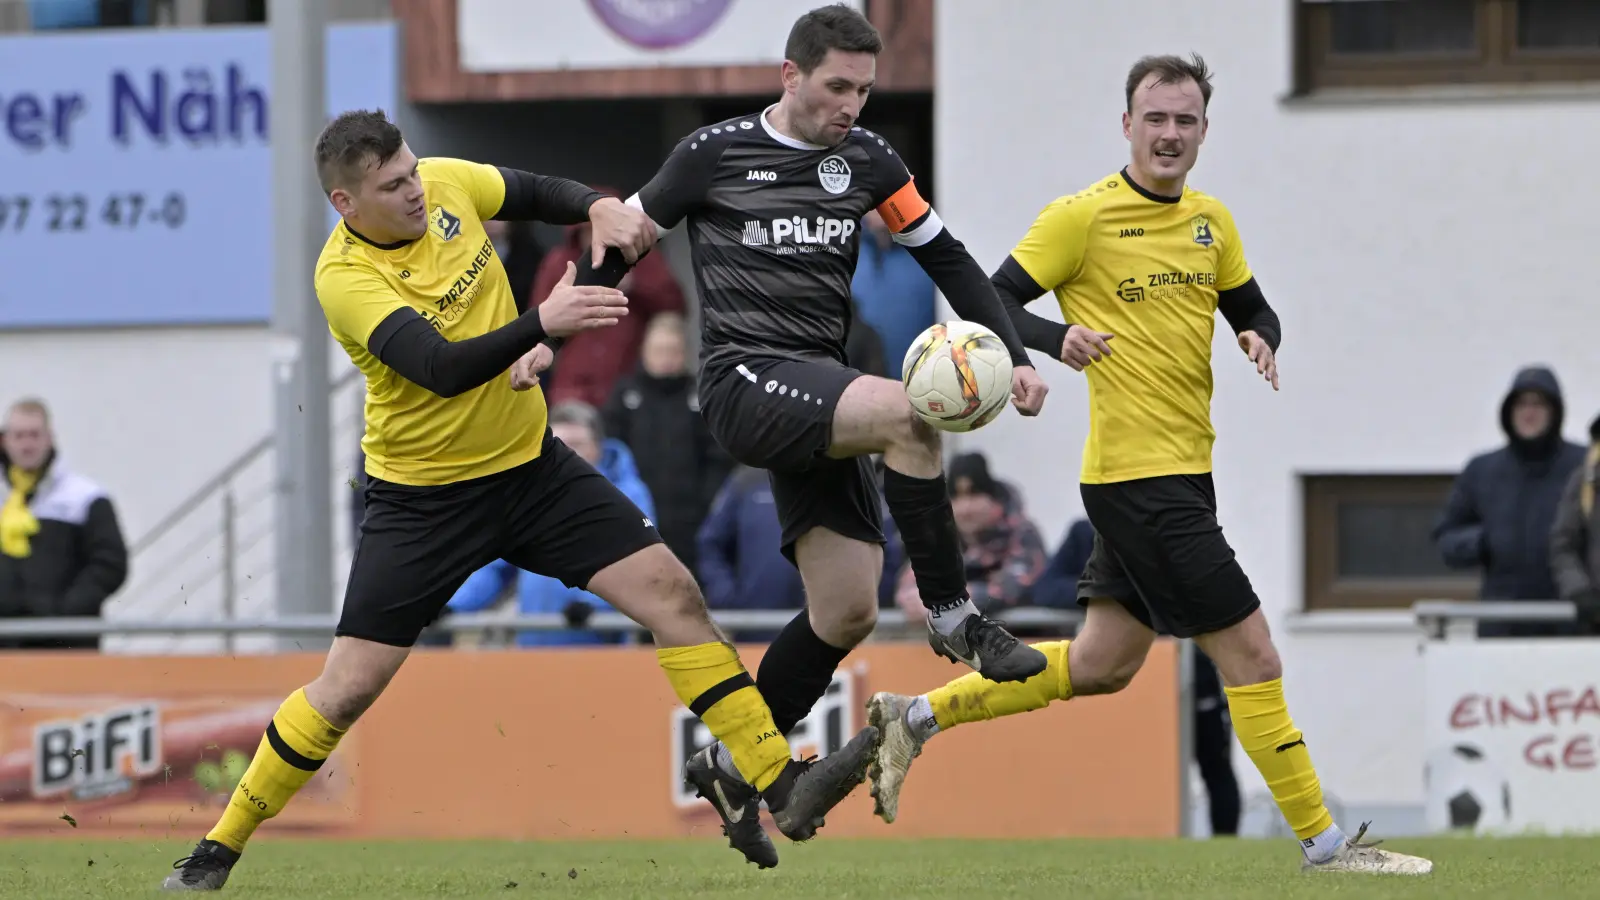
[
  {"x": 1369, "y": 543},
  {"x": 1391, "y": 43}
]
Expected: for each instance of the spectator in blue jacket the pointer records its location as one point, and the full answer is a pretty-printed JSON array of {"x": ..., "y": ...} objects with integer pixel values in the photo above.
[
  {"x": 741, "y": 565},
  {"x": 578, "y": 425},
  {"x": 1057, "y": 588},
  {"x": 892, "y": 293}
]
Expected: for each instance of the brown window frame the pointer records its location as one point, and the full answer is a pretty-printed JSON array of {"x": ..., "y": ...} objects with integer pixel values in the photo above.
[
  {"x": 1496, "y": 59},
  {"x": 1321, "y": 497}
]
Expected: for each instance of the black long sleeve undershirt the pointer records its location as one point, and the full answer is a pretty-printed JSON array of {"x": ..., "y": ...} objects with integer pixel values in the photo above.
[
  {"x": 969, "y": 292},
  {"x": 610, "y": 274},
  {"x": 547, "y": 198},
  {"x": 1246, "y": 309},
  {"x": 1016, "y": 289},
  {"x": 406, "y": 343}
]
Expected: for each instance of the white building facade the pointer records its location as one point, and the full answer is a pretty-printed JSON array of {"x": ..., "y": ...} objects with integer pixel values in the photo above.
[{"x": 1419, "y": 245}]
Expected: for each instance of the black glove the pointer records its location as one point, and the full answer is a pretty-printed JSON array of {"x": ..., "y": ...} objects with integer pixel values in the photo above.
[{"x": 577, "y": 613}]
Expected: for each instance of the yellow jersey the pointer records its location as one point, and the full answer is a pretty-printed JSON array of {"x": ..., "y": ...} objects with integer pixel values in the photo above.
[
  {"x": 452, "y": 277},
  {"x": 1146, "y": 269}
]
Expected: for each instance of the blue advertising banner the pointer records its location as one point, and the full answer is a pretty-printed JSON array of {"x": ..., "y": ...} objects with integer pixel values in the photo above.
[{"x": 137, "y": 174}]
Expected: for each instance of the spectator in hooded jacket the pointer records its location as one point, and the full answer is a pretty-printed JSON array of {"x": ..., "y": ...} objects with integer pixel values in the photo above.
[
  {"x": 656, "y": 412},
  {"x": 1502, "y": 506},
  {"x": 61, "y": 549},
  {"x": 1575, "y": 539},
  {"x": 578, "y": 426},
  {"x": 591, "y": 362}
]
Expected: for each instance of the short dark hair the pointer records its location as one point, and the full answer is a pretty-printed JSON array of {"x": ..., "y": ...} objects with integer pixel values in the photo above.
[
  {"x": 1171, "y": 69},
  {"x": 836, "y": 27},
  {"x": 349, "y": 144}
]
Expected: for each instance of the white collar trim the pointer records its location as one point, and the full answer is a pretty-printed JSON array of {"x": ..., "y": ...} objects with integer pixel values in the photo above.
[{"x": 783, "y": 138}]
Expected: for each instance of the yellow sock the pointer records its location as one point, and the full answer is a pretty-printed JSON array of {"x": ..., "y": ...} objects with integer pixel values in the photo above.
[
  {"x": 1261, "y": 720},
  {"x": 973, "y": 698},
  {"x": 711, "y": 681},
  {"x": 297, "y": 742}
]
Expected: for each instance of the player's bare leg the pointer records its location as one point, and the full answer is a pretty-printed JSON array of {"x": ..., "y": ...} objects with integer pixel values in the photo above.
[
  {"x": 654, "y": 589},
  {"x": 874, "y": 416},
  {"x": 840, "y": 575},
  {"x": 1252, "y": 679},
  {"x": 301, "y": 736},
  {"x": 1103, "y": 659}
]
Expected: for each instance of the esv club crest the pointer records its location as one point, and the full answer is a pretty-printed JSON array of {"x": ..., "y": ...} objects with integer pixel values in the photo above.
[{"x": 834, "y": 173}]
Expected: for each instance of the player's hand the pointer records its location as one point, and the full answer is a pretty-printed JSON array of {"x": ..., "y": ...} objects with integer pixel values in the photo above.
[
  {"x": 570, "y": 309},
  {"x": 525, "y": 371},
  {"x": 616, "y": 224},
  {"x": 1028, "y": 390},
  {"x": 1084, "y": 346},
  {"x": 1261, "y": 354}
]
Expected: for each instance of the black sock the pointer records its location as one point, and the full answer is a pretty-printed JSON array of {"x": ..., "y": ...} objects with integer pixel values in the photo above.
[
  {"x": 921, "y": 510},
  {"x": 795, "y": 672}
]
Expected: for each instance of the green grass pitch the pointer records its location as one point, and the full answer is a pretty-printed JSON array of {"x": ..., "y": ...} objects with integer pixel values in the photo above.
[{"x": 1544, "y": 868}]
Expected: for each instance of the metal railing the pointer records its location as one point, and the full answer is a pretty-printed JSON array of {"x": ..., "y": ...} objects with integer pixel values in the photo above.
[
  {"x": 1438, "y": 619},
  {"x": 213, "y": 556},
  {"x": 611, "y": 622}
]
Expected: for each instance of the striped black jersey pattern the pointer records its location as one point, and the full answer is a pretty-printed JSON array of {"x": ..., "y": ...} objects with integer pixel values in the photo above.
[{"x": 774, "y": 225}]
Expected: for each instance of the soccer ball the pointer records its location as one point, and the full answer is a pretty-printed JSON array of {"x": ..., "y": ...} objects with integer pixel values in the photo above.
[
  {"x": 958, "y": 375},
  {"x": 1466, "y": 791}
]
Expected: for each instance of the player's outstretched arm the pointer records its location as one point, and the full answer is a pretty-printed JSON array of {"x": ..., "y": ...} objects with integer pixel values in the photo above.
[
  {"x": 545, "y": 198},
  {"x": 562, "y": 201},
  {"x": 1256, "y": 325},
  {"x": 970, "y": 294},
  {"x": 1016, "y": 289},
  {"x": 672, "y": 193},
  {"x": 405, "y": 342},
  {"x": 1246, "y": 309},
  {"x": 1075, "y": 345}
]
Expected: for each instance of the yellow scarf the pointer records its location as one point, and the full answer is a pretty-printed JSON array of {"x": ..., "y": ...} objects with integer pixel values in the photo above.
[
  {"x": 17, "y": 523},
  {"x": 1586, "y": 491}
]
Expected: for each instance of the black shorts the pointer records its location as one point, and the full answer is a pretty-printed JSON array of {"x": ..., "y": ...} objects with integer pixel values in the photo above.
[
  {"x": 552, "y": 516},
  {"x": 1159, "y": 551},
  {"x": 777, "y": 414}
]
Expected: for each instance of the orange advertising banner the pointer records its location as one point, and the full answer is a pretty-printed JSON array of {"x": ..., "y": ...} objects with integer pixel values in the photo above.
[{"x": 546, "y": 743}]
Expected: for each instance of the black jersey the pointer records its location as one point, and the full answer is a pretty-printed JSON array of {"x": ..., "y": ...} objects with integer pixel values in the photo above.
[{"x": 774, "y": 226}]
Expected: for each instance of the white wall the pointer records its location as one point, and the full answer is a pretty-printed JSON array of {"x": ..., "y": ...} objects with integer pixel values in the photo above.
[
  {"x": 1417, "y": 253},
  {"x": 155, "y": 413},
  {"x": 149, "y": 413}
]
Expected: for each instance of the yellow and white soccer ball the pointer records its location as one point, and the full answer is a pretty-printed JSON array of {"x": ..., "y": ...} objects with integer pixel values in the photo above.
[{"x": 958, "y": 375}]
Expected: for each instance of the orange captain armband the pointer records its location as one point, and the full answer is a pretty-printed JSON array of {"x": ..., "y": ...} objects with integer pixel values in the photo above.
[{"x": 903, "y": 207}]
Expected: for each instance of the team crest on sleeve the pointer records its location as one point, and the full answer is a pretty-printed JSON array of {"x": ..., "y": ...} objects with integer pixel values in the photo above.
[
  {"x": 444, "y": 223},
  {"x": 834, "y": 173},
  {"x": 1200, "y": 227}
]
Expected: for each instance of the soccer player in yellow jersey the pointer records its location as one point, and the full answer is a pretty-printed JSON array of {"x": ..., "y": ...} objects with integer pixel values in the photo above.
[
  {"x": 1140, "y": 264},
  {"x": 464, "y": 470}
]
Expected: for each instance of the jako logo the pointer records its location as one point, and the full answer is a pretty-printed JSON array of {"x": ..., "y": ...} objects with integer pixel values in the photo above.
[
  {"x": 761, "y": 175},
  {"x": 1132, "y": 232},
  {"x": 796, "y": 230}
]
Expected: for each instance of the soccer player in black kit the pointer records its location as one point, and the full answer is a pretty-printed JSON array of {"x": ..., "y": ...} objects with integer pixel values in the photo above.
[{"x": 773, "y": 201}]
